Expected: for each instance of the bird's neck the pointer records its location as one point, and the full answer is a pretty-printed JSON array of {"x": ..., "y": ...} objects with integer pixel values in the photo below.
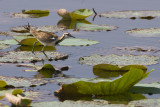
[
  {"x": 32, "y": 31},
  {"x": 60, "y": 39}
]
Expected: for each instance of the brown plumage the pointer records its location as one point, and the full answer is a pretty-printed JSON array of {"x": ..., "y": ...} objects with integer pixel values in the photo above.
[{"x": 46, "y": 38}]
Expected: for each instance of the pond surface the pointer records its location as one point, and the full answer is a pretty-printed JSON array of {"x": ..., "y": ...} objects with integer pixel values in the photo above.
[{"x": 108, "y": 40}]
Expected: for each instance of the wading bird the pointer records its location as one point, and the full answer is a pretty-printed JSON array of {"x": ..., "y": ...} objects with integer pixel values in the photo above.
[{"x": 46, "y": 38}]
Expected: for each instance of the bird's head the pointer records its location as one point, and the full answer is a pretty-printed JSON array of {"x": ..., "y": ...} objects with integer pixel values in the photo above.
[
  {"x": 27, "y": 27},
  {"x": 67, "y": 35}
]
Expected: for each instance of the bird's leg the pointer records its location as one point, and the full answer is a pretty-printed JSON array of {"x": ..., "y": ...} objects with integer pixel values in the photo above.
[
  {"x": 33, "y": 48},
  {"x": 43, "y": 51}
]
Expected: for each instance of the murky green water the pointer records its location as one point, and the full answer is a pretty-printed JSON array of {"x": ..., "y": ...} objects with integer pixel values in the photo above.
[{"x": 115, "y": 38}]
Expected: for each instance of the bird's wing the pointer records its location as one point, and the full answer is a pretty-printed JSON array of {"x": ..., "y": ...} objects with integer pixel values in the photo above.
[{"x": 49, "y": 35}]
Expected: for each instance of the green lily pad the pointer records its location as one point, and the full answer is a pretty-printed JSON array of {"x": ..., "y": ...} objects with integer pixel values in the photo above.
[
  {"x": 77, "y": 42},
  {"x": 31, "y": 14},
  {"x": 146, "y": 14},
  {"x": 17, "y": 91},
  {"x": 22, "y": 82},
  {"x": 108, "y": 70},
  {"x": 77, "y": 14},
  {"x": 2, "y": 83},
  {"x": 119, "y": 60},
  {"x": 117, "y": 86},
  {"x": 151, "y": 32},
  {"x": 92, "y": 27},
  {"x": 35, "y": 11},
  {"x": 25, "y": 56},
  {"x": 15, "y": 41},
  {"x": 47, "y": 70},
  {"x": 4, "y": 46},
  {"x": 153, "y": 88}
]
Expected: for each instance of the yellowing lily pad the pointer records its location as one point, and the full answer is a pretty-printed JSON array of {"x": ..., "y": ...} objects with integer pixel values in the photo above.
[
  {"x": 146, "y": 14},
  {"x": 151, "y": 32},
  {"x": 2, "y": 83},
  {"x": 78, "y": 14},
  {"x": 92, "y": 27},
  {"x": 25, "y": 56},
  {"x": 119, "y": 60},
  {"x": 31, "y": 14},
  {"x": 35, "y": 11},
  {"x": 117, "y": 86}
]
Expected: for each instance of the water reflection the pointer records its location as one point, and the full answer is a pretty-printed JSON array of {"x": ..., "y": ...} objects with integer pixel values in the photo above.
[{"x": 70, "y": 24}]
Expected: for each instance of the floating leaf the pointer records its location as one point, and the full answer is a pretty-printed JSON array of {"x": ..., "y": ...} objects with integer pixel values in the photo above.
[
  {"x": 117, "y": 86},
  {"x": 4, "y": 46},
  {"x": 92, "y": 27},
  {"x": 146, "y": 14},
  {"x": 25, "y": 56},
  {"x": 2, "y": 83},
  {"x": 31, "y": 14},
  {"x": 49, "y": 28},
  {"x": 70, "y": 24},
  {"x": 17, "y": 91},
  {"x": 9, "y": 42},
  {"x": 22, "y": 15},
  {"x": 78, "y": 14},
  {"x": 77, "y": 42},
  {"x": 22, "y": 82},
  {"x": 153, "y": 88},
  {"x": 108, "y": 70},
  {"x": 47, "y": 70},
  {"x": 19, "y": 29},
  {"x": 119, "y": 60},
  {"x": 151, "y": 32},
  {"x": 35, "y": 11}
]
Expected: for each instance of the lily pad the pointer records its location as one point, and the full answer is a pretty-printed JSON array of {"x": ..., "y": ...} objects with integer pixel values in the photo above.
[
  {"x": 31, "y": 14},
  {"x": 119, "y": 60},
  {"x": 2, "y": 83},
  {"x": 146, "y": 14},
  {"x": 47, "y": 28},
  {"x": 10, "y": 33},
  {"x": 151, "y": 32},
  {"x": 117, "y": 86},
  {"x": 68, "y": 103},
  {"x": 17, "y": 91},
  {"x": 4, "y": 46},
  {"x": 22, "y": 82},
  {"x": 47, "y": 70},
  {"x": 77, "y": 42},
  {"x": 92, "y": 27},
  {"x": 77, "y": 14},
  {"x": 35, "y": 11},
  {"x": 25, "y": 56},
  {"x": 108, "y": 70}
]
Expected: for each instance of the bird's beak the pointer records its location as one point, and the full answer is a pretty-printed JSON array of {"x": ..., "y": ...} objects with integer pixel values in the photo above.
[{"x": 71, "y": 36}]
